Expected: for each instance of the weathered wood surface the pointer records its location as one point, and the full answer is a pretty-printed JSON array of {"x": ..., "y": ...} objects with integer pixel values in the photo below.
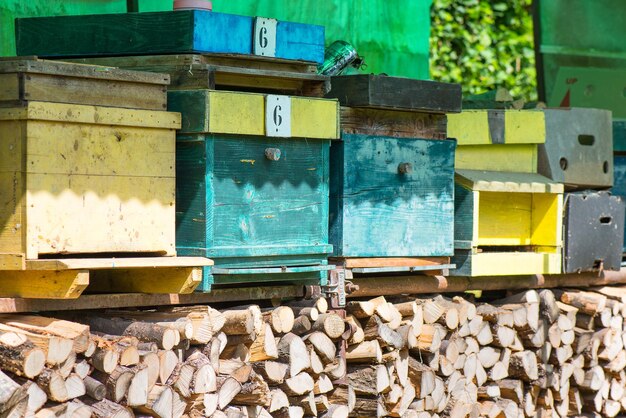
[
  {"x": 379, "y": 211},
  {"x": 396, "y": 93},
  {"x": 192, "y": 31},
  {"x": 593, "y": 232},
  {"x": 399, "y": 124},
  {"x": 32, "y": 79},
  {"x": 497, "y": 140},
  {"x": 244, "y": 72},
  {"x": 578, "y": 149},
  {"x": 119, "y": 183}
]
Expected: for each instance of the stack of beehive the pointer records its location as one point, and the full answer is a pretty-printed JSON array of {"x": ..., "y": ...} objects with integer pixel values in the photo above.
[
  {"x": 252, "y": 167},
  {"x": 193, "y": 361}
]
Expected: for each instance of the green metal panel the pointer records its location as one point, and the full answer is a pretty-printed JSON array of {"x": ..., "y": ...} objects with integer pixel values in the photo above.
[{"x": 392, "y": 36}]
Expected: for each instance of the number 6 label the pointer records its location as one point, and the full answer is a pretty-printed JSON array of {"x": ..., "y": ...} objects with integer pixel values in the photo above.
[
  {"x": 265, "y": 37},
  {"x": 278, "y": 116}
]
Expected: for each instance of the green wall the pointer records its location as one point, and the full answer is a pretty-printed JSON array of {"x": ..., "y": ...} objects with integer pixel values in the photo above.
[{"x": 392, "y": 35}]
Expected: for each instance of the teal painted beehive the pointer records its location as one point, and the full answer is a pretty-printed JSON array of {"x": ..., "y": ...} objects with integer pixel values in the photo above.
[
  {"x": 175, "y": 32},
  {"x": 252, "y": 184},
  {"x": 392, "y": 172}
]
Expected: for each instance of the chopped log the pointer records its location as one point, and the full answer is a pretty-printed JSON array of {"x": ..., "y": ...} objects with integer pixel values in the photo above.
[
  {"x": 167, "y": 363},
  {"x": 523, "y": 365},
  {"x": 301, "y": 325},
  {"x": 323, "y": 384},
  {"x": 361, "y": 309},
  {"x": 227, "y": 389},
  {"x": 330, "y": 324},
  {"x": 53, "y": 384},
  {"x": 74, "y": 386},
  {"x": 264, "y": 346},
  {"x": 12, "y": 395},
  {"x": 56, "y": 348},
  {"x": 116, "y": 383},
  {"x": 271, "y": 371},
  {"x": 253, "y": 392},
  {"x": 337, "y": 370},
  {"x": 323, "y": 346},
  {"x": 37, "y": 398},
  {"x": 76, "y": 332},
  {"x": 298, "y": 385},
  {"x": 105, "y": 357},
  {"x": 278, "y": 400},
  {"x": 587, "y": 302},
  {"x": 310, "y": 312},
  {"x": 20, "y": 356},
  {"x": 376, "y": 329},
  {"x": 292, "y": 350},
  {"x": 317, "y": 366},
  {"x": 137, "y": 393},
  {"x": 238, "y": 322},
  {"x": 281, "y": 319},
  {"x": 164, "y": 337},
  {"x": 82, "y": 368},
  {"x": 108, "y": 409},
  {"x": 94, "y": 388},
  {"x": 306, "y": 402},
  {"x": 368, "y": 380},
  {"x": 159, "y": 402},
  {"x": 421, "y": 377},
  {"x": 365, "y": 352}
]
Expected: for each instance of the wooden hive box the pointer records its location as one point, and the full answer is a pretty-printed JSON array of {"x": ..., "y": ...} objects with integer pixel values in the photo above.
[
  {"x": 392, "y": 172},
  {"x": 186, "y": 31},
  {"x": 507, "y": 224},
  {"x": 252, "y": 181},
  {"x": 79, "y": 179},
  {"x": 497, "y": 140},
  {"x": 30, "y": 78},
  {"x": 593, "y": 232},
  {"x": 578, "y": 149}
]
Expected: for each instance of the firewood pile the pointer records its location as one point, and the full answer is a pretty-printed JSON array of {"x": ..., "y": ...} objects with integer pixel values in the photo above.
[{"x": 533, "y": 354}]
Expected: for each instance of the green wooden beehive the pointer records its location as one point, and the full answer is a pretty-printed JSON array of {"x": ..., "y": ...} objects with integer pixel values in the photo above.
[{"x": 258, "y": 203}]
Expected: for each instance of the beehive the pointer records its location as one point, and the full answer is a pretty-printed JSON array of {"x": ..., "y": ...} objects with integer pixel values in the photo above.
[
  {"x": 392, "y": 172},
  {"x": 497, "y": 140},
  {"x": 86, "y": 179},
  {"x": 578, "y": 149},
  {"x": 247, "y": 198},
  {"x": 593, "y": 232},
  {"x": 507, "y": 224},
  {"x": 186, "y": 31}
]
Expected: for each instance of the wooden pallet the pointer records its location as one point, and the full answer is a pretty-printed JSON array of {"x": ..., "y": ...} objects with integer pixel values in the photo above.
[
  {"x": 68, "y": 278},
  {"x": 226, "y": 72},
  {"x": 378, "y": 265}
]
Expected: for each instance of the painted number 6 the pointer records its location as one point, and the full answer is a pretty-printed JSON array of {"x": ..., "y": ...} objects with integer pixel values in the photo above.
[
  {"x": 265, "y": 37},
  {"x": 278, "y": 115}
]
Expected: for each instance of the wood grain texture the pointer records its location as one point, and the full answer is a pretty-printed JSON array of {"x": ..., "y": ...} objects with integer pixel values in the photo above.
[
  {"x": 520, "y": 158},
  {"x": 377, "y": 212},
  {"x": 234, "y": 202},
  {"x": 67, "y": 284},
  {"x": 86, "y": 168},
  {"x": 398, "y": 124},
  {"x": 221, "y": 112},
  {"x": 141, "y": 33},
  {"x": 383, "y": 92}
]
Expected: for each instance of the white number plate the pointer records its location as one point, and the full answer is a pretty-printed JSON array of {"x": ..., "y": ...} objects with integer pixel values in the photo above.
[
  {"x": 278, "y": 116},
  {"x": 265, "y": 37}
]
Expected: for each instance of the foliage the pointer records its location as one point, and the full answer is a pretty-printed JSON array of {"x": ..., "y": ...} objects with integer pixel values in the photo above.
[{"x": 484, "y": 44}]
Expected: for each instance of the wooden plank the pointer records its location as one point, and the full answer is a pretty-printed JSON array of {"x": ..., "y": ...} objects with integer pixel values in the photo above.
[
  {"x": 272, "y": 270},
  {"x": 116, "y": 263},
  {"x": 520, "y": 158},
  {"x": 43, "y": 284},
  {"x": 9, "y": 87},
  {"x": 494, "y": 181},
  {"x": 419, "y": 284},
  {"x": 506, "y": 263},
  {"x": 149, "y": 280},
  {"x": 127, "y": 300},
  {"x": 399, "y": 124},
  {"x": 433, "y": 269},
  {"x": 383, "y": 92},
  {"x": 61, "y": 112},
  {"x": 12, "y": 261},
  {"x": 392, "y": 261}
]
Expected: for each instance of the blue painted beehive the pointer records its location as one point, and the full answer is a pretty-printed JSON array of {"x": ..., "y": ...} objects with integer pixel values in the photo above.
[{"x": 392, "y": 172}]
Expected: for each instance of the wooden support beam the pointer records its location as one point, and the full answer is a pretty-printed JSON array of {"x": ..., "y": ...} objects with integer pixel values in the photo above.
[
  {"x": 123, "y": 300},
  {"x": 68, "y": 284},
  {"x": 181, "y": 280},
  {"x": 415, "y": 284}
]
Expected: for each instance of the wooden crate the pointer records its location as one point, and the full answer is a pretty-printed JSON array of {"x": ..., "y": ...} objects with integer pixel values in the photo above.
[
  {"x": 578, "y": 149},
  {"x": 593, "y": 232},
  {"x": 391, "y": 197},
  {"x": 396, "y": 93},
  {"x": 507, "y": 224},
  {"x": 497, "y": 140},
  {"x": 30, "y": 78},
  {"x": 256, "y": 204},
  {"x": 85, "y": 179},
  {"x": 188, "y": 31},
  {"x": 226, "y": 72}
]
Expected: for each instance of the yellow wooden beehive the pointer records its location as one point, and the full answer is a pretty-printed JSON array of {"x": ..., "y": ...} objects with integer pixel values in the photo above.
[
  {"x": 497, "y": 140},
  {"x": 85, "y": 179},
  {"x": 507, "y": 224}
]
